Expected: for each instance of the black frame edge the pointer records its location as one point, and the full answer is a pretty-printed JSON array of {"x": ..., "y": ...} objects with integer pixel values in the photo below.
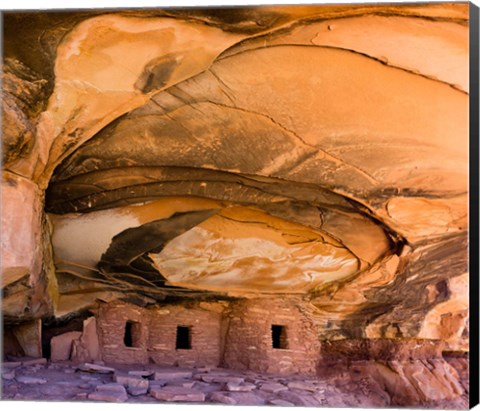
[{"x": 474, "y": 206}]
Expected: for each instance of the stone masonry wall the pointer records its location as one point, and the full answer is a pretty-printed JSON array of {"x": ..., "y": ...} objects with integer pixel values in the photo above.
[
  {"x": 154, "y": 334},
  {"x": 249, "y": 337},
  {"x": 238, "y": 337},
  {"x": 204, "y": 321},
  {"x": 111, "y": 322}
]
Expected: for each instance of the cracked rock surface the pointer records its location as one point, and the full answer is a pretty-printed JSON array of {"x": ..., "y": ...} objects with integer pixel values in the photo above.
[{"x": 217, "y": 154}]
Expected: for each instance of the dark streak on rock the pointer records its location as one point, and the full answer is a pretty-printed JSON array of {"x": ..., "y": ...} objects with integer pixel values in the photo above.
[
  {"x": 132, "y": 244},
  {"x": 157, "y": 72},
  {"x": 404, "y": 299}
]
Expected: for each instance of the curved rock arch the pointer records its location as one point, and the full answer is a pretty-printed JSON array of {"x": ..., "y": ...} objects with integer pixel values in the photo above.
[{"x": 410, "y": 192}]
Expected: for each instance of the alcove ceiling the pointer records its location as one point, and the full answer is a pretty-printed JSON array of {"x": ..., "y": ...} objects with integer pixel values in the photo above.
[{"x": 232, "y": 152}]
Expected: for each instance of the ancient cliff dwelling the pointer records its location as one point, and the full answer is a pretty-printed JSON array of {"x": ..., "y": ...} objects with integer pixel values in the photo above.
[{"x": 251, "y": 205}]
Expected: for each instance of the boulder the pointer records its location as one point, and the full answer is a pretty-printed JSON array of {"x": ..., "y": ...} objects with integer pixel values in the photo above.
[
  {"x": 222, "y": 398},
  {"x": 302, "y": 400},
  {"x": 244, "y": 387},
  {"x": 177, "y": 394},
  {"x": 87, "y": 347},
  {"x": 109, "y": 393},
  {"x": 281, "y": 403},
  {"x": 300, "y": 385},
  {"x": 31, "y": 380},
  {"x": 95, "y": 368},
  {"x": 172, "y": 374},
  {"x": 272, "y": 387},
  {"x": 61, "y": 345},
  {"x": 135, "y": 385}
]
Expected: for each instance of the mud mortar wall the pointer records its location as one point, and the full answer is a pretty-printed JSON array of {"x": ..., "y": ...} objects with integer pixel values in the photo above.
[
  {"x": 204, "y": 326},
  {"x": 111, "y": 321},
  {"x": 155, "y": 333},
  {"x": 249, "y": 342},
  {"x": 238, "y": 336}
]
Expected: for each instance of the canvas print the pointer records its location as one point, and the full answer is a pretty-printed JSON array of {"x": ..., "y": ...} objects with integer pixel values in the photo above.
[{"x": 254, "y": 205}]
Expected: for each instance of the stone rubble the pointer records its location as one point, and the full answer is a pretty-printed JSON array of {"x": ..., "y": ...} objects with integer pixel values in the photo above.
[
  {"x": 272, "y": 387},
  {"x": 31, "y": 380},
  {"x": 109, "y": 393},
  {"x": 11, "y": 364},
  {"x": 366, "y": 384},
  {"x": 246, "y": 387},
  {"x": 8, "y": 375},
  {"x": 281, "y": 403},
  {"x": 87, "y": 367},
  {"x": 136, "y": 391},
  {"x": 222, "y": 398},
  {"x": 169, "y": 374},
  {"x": 134, "y": 385},
  {"x": 299, "y": 385},
  {"x": 177, "y": 394},
  {"x": 128, "y": 381}
]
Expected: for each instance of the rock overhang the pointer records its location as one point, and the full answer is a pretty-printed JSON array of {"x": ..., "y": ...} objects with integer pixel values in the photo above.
[{"x": 304, "y": 117}]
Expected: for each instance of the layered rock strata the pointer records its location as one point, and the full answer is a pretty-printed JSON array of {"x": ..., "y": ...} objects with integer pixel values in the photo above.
[{"x": 222, "y": 156}]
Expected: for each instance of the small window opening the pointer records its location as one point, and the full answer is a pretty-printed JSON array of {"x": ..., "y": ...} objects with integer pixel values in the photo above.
[
  {"x": 279, "y": 337},
  {"x": 131, "y": 337},
  {"x": 184, "y": 340}
]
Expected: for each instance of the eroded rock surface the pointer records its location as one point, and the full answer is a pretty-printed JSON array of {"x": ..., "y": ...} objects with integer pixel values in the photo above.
[
  {"x": 215, "y": 156},
  {"x": 23, "y": 97}
]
